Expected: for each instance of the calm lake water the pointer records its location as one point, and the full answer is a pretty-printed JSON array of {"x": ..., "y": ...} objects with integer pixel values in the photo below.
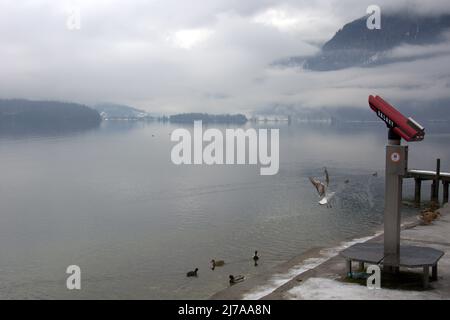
[{"x": 111, "y": 201}]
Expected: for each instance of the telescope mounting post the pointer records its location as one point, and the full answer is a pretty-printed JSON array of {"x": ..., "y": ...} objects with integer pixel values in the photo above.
[{"x": 396, "y": 168}]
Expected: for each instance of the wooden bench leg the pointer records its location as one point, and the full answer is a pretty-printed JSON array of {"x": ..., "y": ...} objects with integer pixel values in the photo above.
[
  {"x": 426, "y": 277},
  {"x": 349, "y": 267},
  {"x": 434, "y": 273}
]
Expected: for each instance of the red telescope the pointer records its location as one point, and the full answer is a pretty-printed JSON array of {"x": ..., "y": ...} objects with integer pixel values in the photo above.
[{"x": 406, "y": 128}]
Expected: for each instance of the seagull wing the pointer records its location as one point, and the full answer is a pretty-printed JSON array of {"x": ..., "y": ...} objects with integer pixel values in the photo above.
[
  {"x": 319, "y": 186},
  {"x": 327, "y": 177}
]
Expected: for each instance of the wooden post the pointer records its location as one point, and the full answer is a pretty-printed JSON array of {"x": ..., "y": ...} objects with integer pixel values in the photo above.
[
  {"x": 445, "y": 187},
  {"x": 436, "y": 182},
  {"x": 417, "y": 191},
  {"x": 433, "y": 191}
]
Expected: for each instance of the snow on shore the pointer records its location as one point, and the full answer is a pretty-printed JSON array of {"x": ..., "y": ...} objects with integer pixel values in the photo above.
[{"x": 329, "y": 289}]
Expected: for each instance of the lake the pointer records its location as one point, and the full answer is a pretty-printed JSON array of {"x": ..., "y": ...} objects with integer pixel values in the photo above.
[{"x": 111, "y": 201}]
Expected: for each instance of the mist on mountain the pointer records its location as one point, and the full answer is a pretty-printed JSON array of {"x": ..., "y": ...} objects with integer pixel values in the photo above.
[{"x": 357, "y": 46}]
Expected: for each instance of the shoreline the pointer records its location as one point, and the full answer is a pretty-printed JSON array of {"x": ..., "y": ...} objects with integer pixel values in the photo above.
[{"x": 296, "y": 270}]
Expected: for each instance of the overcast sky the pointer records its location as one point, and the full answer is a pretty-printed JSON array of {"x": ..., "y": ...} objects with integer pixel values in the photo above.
[{"x": 212, "y": 55}]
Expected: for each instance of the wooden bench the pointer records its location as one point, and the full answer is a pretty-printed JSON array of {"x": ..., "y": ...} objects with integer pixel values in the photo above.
[{"x": 410, "y": 257}]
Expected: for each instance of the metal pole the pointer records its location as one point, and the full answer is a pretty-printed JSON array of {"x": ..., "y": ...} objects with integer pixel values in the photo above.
[{"x": 395, "y": 169}]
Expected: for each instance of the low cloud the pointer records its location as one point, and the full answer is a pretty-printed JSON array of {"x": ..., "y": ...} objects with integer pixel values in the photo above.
[{"x": 209, "y": 56}]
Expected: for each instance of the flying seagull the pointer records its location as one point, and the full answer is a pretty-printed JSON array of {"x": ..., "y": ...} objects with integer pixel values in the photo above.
[{"x": 322, "y": 189}]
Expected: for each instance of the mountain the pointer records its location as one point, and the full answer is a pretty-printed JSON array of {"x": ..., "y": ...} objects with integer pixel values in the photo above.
[
  {"x": 118, "y": 111},
  {"x": 356, "y": 45},
  {"x": 46, "y": 115}
]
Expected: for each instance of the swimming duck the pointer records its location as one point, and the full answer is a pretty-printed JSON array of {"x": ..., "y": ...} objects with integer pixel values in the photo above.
[
  {"x": 256, "y": 258},
  {"x": 192, "y": 273},
  {"x": 234, "y": 280},
  {"x": 217, "y": 263}
]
